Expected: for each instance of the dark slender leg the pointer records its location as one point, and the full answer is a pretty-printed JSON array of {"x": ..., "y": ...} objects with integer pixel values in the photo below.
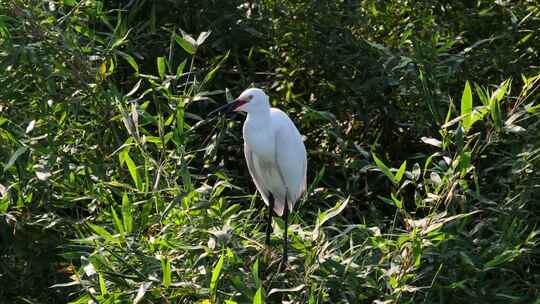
[
  {"x": 286, "y": 219},
  {"x": 269, "y": 223}
]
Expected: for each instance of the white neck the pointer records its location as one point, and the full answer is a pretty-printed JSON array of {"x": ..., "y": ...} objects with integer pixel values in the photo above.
[{"x": 259, "y": 117}]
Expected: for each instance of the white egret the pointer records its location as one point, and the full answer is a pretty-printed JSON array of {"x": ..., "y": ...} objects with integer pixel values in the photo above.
[{"x": 275, "y": 155}]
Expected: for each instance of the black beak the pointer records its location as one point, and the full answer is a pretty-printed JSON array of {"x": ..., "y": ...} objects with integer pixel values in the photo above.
[{"x": 227, "y": 108}]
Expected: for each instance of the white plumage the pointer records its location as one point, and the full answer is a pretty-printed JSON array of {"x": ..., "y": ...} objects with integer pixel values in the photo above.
[
  {"x": 274, "y": 151},
  {"x": 276, "y": 157}
]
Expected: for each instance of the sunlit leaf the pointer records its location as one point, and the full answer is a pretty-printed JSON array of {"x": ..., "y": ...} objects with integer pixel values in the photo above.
[
  {"x": 215, "y": 275},
  {"x": 131, "y": 62},
  {"x": 466, "y": 106},
  {"x": 180, "y": 68},
  {"x": 258, "y": 298},
  {"x": 329, "y": 214},
  {"x": 103, "y": 233},
  {"x": 185, "y": 44},
  {"x": 161, "y": 67},
  {"x": 127, "y": 216},
  {"x": 432, "y": 141},
  {"x": 384, "y": 168},
  {"x": 202, "y": 37},
  {"x": 401, "y": 171},
  {"x": 117, "y": 222},
  {"x": 166, "y": 270},
  {"x": 141, "y": 292},
  {"x": 292, "y": 289}
]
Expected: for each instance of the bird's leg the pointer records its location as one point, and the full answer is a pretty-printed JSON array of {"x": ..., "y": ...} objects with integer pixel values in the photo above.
[
  {"x": 269, "y": 223},
  {"x": 286, "y": 219}
]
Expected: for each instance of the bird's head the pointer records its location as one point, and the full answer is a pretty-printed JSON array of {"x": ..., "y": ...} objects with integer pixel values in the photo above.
[{"x": 251, "y": 100}]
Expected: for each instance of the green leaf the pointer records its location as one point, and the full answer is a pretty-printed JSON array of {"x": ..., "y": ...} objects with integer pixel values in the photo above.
[
  {"x": 180, "y": 68},
  {"x": 329, "y": 214},
  {"x": 466, "y": 106},
  {"x": 212, "y": 73},
  {"x": 332, "y": 212},
  {"x": 464, "y": 162},
  {"x": 117, "y": 222},
  {"x": 166, "y": 270},
  {"x": 102, "y": 285},
  {"x": 127, "y": 213},
  {"x": 4, "y": 202},
  {"x": 398, "y": 202},
  {"x": 120, "y": 40},
  {"x": 103, "y": 233},
  {"x": 258, "y": 298},
  {"x": 503, "y": 258},
  {"x": 131, "y": 62},
  {"x": 255, "y": 273},
  {"x": 494, "y": 103},
  {"x": 70, "y": 2},
  {"x": 384, "y": 168},
  {"x": 14, "y": 157},
  {"x": 401, "y": 171},
  {"x": 161, "y": 67},
  {"x": 188, "y": 47},
  {"x": 132, "y": 170},
  {"x": 215, "y": 276}
]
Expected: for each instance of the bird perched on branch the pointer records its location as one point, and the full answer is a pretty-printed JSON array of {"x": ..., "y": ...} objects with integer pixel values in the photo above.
[{"x": 275, "y": 155}]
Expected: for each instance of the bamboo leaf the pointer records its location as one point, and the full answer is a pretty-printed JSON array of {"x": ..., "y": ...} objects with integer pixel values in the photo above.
[
  {"x": 132, "y": 168},
  {"x": 102, "y": 285},
  {"x": 117, "y": 222},
  {"x": 127, "y": 213},
  {"x": 466, "y": 106},
  {"x": 431, "y": 141},
  {"x": 401, "y": 171},
  {"x": 166, "y": 270},
  {"x": 329, "y": 214},
  {"x": 161, "y": 67},
  {"x": 180, "y": 68},
  {"x": 384, "y": 168},
  {"x": 202, "y": 37},
  {"x": 185, "y": 44},
  {"x": 212, "y": 73},
  {"x": 103, "y": 233},
  {"x": 258, "y": 298},
  {"x": 215, "y": 276},
  {"x": 131, "y": 61}
]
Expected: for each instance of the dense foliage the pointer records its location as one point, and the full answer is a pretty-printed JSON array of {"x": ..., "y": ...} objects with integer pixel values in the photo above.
[{"x": 422, "y": 128}]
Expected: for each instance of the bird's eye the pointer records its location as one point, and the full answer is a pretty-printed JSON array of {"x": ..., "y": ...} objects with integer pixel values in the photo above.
[{"x": 250, "y": 97}]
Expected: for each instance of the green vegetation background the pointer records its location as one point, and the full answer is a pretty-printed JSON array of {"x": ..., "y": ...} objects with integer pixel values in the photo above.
[{"x": 421, "y": 124}]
